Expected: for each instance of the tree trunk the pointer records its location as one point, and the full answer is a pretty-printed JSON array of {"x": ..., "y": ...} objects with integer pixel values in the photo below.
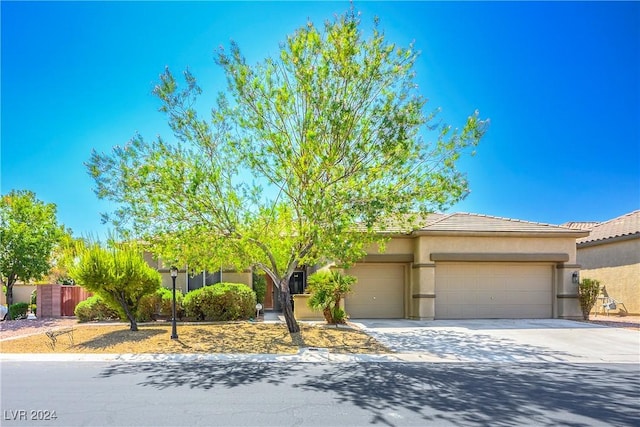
[
  {"x": 9, "y": 295},
  {"x": 133, "y": 325},
  {"x": 328, "y": 317},
  {"x": 287, "y": 309}
]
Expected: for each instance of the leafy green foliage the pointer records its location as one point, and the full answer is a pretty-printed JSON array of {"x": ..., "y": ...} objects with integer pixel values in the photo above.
[
  {"x": 119, "y": 275},
  {"x": 63, "y": 256},
  {"x": 327, "y": 288},
  {"x": 18, "y": 310},
  {"x": 259, "y": 287},
  {"x": 588, "y": 291},
  {"x": 28, "y": 233},
  {"x": 159, "y": 303},
  {"x": 95, "y": 308},
  {"x": 309, "y": 156},
  {"x": 221, "y": 302}
]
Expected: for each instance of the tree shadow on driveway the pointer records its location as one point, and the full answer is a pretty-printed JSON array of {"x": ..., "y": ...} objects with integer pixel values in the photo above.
[{"x": 453, "y": 345}]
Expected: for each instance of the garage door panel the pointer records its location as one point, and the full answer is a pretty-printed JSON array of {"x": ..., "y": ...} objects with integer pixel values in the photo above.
[
  {"x": 378, "y": 293},
  {"x": 493, "y": 290}
]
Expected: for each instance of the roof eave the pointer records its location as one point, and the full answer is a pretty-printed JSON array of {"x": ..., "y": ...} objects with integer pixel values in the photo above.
[
  {"x": 608, "y": 240},
  {"x": 475, "y": 233}
]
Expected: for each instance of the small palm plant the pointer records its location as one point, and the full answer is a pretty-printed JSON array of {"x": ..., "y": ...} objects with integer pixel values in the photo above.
[{"x": 327, "y": 289}]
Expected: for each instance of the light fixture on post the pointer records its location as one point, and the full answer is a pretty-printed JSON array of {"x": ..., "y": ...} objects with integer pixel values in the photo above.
[
  {"x": 575, "y": 277},
  {"x": 174, "y": 331}
]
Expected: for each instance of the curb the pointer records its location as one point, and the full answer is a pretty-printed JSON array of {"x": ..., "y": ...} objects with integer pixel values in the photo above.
[{"x": 307, "y": 355}]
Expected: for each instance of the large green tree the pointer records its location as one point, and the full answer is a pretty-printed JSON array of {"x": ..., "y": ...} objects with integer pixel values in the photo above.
[
  {"x": 307, "y": 157},
  {"x": 29, "y": 231},
  {"x": 118, "y": 274}
]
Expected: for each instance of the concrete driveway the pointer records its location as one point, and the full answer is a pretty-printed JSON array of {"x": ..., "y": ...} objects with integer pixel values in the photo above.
[{"x": 505, "y": 340}]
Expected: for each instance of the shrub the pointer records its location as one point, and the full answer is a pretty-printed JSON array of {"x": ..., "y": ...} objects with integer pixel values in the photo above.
[
  {"x": 588, "y": 291},
  {"x": 327, "y": 289},
  {"x": 159, "y": 303},
  {"x": 118, "y": 274},
  {"x": 18, "y": 310},
  {"x": 94, "y": 308},
  {"x": 221, "y": 302},
  {"x": 259, "y": 287}
]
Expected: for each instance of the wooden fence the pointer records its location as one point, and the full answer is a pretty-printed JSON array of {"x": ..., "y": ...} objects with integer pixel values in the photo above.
[{"x": 59, "y": 300}]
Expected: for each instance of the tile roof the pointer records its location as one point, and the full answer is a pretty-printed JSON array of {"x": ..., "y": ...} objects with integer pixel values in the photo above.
[
  {"x": 468, "y": 222},
  {"x": 582, "y": 225},
  {"x": 625, "y": 225}
]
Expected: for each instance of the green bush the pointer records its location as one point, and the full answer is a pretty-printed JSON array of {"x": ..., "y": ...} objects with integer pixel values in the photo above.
[
  {"x": 18, "y": 310},
  {"x": 159, "y": 303},
  {"x": 221, "y": 302},
  {"x": 588, "y": 291},
  {"x": 259, "y": 287},
  {"x": 94, "y": 308}
]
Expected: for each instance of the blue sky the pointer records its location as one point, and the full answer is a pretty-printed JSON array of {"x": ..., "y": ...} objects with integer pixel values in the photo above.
[{"x": 560, "y": 83}]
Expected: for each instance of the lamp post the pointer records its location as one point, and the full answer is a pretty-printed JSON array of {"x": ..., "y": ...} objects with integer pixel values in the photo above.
[{"x": 174, "y": 331}]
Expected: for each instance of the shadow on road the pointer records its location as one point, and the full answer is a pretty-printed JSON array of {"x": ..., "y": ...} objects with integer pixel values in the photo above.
[
  {"x": 495, "y": 395},
  {"x": 488, "y": 394},
  {"x": 205, "y": 375}
]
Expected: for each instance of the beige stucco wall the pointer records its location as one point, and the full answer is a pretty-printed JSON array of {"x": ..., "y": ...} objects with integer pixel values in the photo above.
[
  {"x": 301, "y": 310},
  {"x": 422, "y": 283},
  {"x": 21, "y": 293},
  {"x": 500, "y": 244},
  {"x": 617, "y": 266},
  {"x": 614, "y": 254},
  {"x": 238, "y": 277},
  {"x": 181, "y": 281}
]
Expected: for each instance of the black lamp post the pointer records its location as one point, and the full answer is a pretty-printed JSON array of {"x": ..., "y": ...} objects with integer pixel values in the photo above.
[{"x": 174, "y": 331}]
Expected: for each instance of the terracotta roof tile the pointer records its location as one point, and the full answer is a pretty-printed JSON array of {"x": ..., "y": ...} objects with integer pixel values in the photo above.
[
  {"x": 459, "y": 222},
  {"x": 625, "y": 225},
  {"x": 582, "y": 225}
]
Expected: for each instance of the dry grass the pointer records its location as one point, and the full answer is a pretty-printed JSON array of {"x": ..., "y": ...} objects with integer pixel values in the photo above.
[{"x": 240, "y": 337}]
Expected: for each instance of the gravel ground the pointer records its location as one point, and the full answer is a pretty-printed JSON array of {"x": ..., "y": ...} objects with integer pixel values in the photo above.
[{"x": 16, "y": 328}]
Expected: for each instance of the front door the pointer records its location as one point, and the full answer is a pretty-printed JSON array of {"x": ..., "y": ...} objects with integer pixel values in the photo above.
[{"x": 296, "y": 283}]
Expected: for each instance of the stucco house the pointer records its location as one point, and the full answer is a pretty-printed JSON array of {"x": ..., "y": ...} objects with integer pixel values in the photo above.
[
  {"x": 611, "y": 254},
  {"x": 189, "y": 279},
  {"x": 468, "y": 266}
]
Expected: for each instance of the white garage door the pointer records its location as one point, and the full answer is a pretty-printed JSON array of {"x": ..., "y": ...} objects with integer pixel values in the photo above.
[
  {"x": 493, "y": 291},
  {"x": 379, "y": 292}
]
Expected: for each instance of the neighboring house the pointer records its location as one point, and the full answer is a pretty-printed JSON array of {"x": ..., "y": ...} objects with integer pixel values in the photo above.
[
  {"x": 21, "y": 293},
  {"x": 611, "y": 254},
  {"x": 468, "y": 266}
]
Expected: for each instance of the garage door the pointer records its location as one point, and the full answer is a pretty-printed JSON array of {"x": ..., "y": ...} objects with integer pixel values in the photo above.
[
  {"x": 379, "y": 292},
  {"x": 493, "y": 290}
]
